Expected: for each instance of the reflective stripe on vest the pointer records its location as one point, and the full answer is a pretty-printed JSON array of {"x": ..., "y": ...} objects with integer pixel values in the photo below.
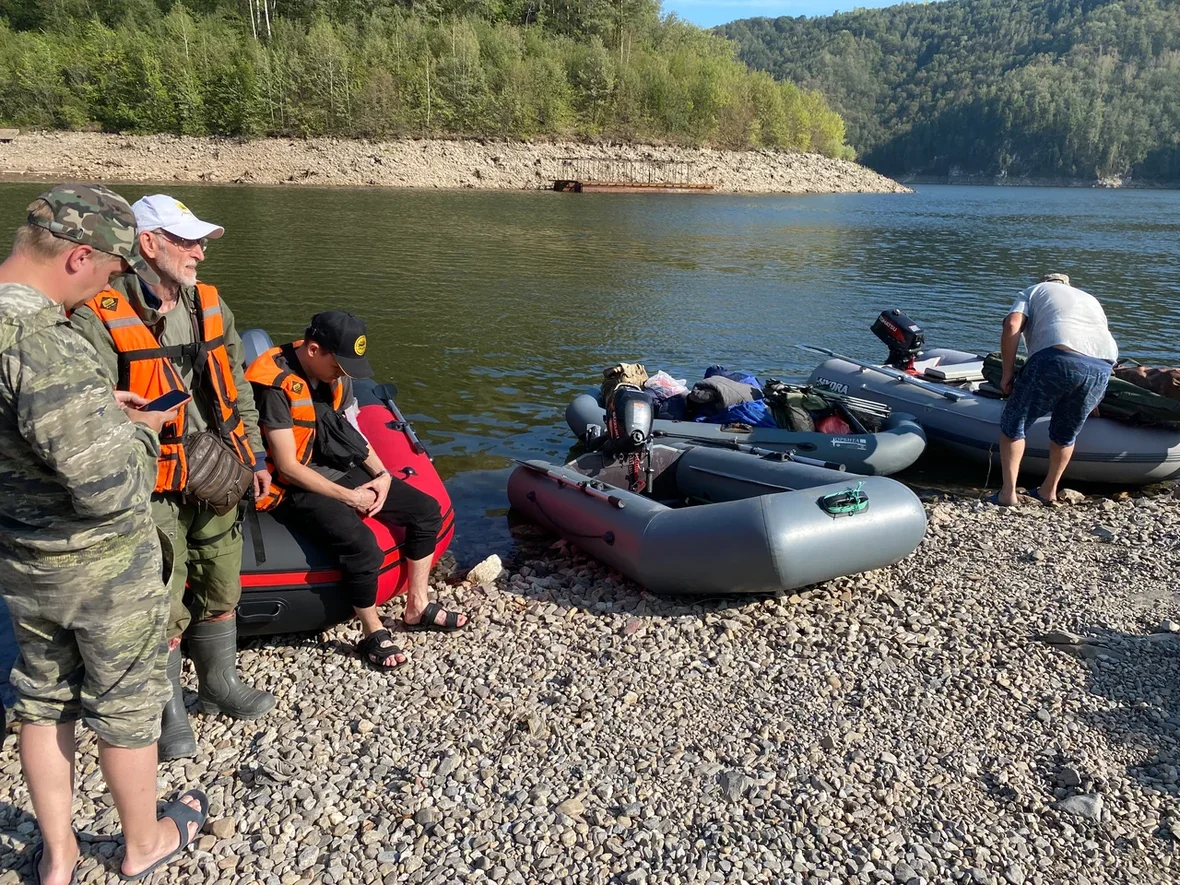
[
  {"x": 266, "y": 372},
  {"x": 146, "y": 368}
]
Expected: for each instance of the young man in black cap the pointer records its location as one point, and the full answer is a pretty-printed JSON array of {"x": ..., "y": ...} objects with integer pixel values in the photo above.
[{"x": 327, "y": 478}]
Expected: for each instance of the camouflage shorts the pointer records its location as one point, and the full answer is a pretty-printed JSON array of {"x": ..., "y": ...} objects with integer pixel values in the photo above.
[
  {"x": 90, "y": 633},
  {"x": 206, "y": 556}
]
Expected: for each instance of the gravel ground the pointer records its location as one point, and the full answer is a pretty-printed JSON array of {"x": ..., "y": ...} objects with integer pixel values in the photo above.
[
  {"x": 477, "y": 164},
  {"x": 1001, "y": 707}
]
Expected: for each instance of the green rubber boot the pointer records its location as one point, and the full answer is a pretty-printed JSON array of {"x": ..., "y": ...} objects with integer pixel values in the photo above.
[
  {"x": 176, "y": 735},
  {"x": 213, "y": 646}
]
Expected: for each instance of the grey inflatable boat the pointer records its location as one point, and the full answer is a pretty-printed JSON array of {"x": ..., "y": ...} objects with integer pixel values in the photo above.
[
  {"x": 897, "y": 445},
  {"x": 759, "y": 524},
  {"x": 964, "y": 417}
]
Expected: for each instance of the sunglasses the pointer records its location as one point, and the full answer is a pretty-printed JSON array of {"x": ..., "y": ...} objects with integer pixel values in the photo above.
[{"x": 182, "y": 243}]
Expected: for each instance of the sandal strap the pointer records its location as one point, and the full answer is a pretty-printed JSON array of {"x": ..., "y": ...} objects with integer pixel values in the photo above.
[
  {"x": 430, "y": 613},
  {"x": 376, "y": 645},
  {"x": 452, "y": 619},
  {"x": 182, "y": 815}
]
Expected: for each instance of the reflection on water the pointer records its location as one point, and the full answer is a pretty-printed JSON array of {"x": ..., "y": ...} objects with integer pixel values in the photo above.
[{"x": 490, "y": 310}]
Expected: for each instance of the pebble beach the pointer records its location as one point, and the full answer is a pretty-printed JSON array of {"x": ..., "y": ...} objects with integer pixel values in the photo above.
[{"x": 1000, "y": 707}]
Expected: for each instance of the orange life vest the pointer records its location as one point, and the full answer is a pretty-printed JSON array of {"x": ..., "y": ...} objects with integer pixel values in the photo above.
[
  {"x": 266, "y": 372},
  {"x": 146, "y": 367}
]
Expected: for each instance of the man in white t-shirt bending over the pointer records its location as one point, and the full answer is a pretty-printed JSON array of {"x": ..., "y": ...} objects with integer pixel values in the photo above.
[{"x": 1071, "y": 353}]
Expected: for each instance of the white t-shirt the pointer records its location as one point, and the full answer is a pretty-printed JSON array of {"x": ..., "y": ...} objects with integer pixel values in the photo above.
[{"x": 1061, "y": 314}]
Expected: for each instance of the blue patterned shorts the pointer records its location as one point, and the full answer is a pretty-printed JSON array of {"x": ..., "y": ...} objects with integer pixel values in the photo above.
[{"x": 1060, "y": 383}]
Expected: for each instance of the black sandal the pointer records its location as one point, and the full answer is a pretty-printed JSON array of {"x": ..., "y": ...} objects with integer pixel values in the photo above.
[
  {"x": 181, "y": 815},
  {"x": 449, "y": 625},
  {"x": 378, "y": 646}
]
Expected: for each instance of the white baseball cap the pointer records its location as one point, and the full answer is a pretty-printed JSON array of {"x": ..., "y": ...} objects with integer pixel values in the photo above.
[{"x": 162, "y": 211}]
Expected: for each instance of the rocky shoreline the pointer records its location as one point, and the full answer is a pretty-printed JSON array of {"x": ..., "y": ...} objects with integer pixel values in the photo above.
[
  {"x": 1001, "y": 707},
  {"x": 479, "y": 164}
]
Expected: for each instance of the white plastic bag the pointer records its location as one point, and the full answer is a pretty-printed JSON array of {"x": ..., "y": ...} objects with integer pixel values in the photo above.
[{"x": 664, "y": 385}]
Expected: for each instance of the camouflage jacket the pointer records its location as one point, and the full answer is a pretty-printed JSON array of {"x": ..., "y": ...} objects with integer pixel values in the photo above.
[
  {"x": 176, "y": 327},
  {"x": 74, "y": 471}
]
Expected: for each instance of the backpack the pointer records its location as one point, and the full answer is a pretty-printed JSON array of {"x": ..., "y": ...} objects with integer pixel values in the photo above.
[
  {"x": 621, "y": 375},
  {"x": 792, "y": 406}
]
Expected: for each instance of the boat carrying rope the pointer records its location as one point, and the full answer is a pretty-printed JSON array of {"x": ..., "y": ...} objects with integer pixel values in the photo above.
[{"x": 847, "y": 502}]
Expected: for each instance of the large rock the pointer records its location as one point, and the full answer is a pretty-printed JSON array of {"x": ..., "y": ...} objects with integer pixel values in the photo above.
[
  {"x": 1087, "y": 805},
  {"x": 487, "y": 571}
]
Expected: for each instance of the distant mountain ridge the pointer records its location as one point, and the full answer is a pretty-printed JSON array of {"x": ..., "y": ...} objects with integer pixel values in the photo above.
[{"x": 1051, "y": 88}]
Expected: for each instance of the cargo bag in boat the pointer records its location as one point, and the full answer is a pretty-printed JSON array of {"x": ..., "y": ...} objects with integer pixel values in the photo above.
[
  {"x": 1123, "y": 401},
  {"x": 621, "y": 375}
]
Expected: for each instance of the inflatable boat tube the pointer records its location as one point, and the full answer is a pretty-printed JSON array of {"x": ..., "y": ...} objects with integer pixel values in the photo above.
[
  {"x": 897, "y": 445},
  {"x": 969, "y": 425},
  {"x": 759, "y": 525},
  {"x": 288, "y": 581}
]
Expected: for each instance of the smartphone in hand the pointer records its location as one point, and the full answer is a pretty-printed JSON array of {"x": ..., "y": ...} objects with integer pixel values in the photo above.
[{"x": 170, "y": 400}]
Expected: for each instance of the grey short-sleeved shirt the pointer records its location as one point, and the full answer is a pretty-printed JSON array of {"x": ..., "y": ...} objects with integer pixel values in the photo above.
[{"x": 1061, "y": 314}]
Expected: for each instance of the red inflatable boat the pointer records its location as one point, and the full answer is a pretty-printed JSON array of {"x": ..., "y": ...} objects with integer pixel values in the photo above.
[{"x": 288, "y": 583}]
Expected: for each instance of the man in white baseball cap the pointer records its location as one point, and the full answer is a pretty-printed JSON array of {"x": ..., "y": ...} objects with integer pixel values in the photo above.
[{"x": 179, "y": 335}]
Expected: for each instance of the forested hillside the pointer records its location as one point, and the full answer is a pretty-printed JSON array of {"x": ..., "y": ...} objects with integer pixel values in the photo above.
[
  {"x": 1078, "y": 88},
  {"x": 375, "y": 68}
]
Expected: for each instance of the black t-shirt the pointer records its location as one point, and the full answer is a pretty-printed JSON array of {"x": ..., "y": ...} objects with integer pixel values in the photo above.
[{"x": 274, "y": 409}]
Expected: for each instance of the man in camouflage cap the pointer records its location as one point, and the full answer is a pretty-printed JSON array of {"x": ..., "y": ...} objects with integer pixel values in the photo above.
[{"x": 80, "y": 561}]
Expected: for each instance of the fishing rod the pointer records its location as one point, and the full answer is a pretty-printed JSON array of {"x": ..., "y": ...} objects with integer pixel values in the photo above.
[{"x": 953, "y": 395}]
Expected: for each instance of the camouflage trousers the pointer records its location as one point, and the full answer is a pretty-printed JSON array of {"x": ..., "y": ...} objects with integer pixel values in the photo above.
[
  {"x": 89, "y": 629},
  {"x": 206, "y": 558}
]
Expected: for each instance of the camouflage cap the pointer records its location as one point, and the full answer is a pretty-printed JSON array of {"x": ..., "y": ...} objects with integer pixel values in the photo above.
[{"x": 95, "y": 216}]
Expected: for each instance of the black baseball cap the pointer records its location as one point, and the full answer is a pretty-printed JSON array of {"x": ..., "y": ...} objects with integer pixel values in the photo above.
[{"x": 343, "y": 336}]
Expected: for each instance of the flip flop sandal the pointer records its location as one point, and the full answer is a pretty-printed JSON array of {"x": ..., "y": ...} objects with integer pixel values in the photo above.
[
  {"x": 995, "y": 499},
  {"x": 449, "y": 625},
  {"x": 374, "y": 649},
  {"x": 37, "y": 857},
  {"x": 1035, "y": 494},
  {"x": 181, "y": 815}
]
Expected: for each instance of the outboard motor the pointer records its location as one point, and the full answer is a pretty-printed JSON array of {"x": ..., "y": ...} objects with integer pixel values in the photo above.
[
  {"x": 629, "y": 418},
  {"x": 904, "y": 338}
]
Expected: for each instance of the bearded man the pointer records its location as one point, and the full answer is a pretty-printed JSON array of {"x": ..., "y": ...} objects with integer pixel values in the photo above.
[{"x": 179, "y": 334}]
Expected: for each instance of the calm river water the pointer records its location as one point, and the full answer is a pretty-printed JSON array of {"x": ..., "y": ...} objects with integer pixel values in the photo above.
[{"x": 490, "y": 310}]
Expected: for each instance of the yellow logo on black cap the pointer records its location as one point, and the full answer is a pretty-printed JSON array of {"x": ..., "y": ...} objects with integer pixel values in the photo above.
[
  {"x": 108, "y": 302},
  {"x": 361, "y": 344}
]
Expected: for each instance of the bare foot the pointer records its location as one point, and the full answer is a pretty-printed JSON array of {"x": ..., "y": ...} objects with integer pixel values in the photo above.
[
  {"x": 57, "y": 869},
  {"x": 167, "y": 841}
]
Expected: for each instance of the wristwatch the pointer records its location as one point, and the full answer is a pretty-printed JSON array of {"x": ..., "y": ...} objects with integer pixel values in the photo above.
[{"x": 381, "y": 472}]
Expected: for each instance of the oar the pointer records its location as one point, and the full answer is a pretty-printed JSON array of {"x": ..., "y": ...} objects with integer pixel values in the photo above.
[{"x": 954, "y": 395}]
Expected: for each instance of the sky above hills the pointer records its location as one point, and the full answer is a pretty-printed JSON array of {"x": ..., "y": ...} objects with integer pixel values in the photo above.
[{"x": 708, "y": 13}]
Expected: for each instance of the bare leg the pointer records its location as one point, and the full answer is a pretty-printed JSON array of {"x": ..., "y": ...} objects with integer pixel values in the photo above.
[
  {"x": 131, "y": 778},
  {"x": 47, "y": 757},
  {"x": 418, "y": 592},
  {"x": 371, "y": 623},
  {"x": 1011, "y": 454},
  {"x": 1058, "y": 460}
]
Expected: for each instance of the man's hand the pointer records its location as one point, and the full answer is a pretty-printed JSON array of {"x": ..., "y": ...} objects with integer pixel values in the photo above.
[
  {"x": 154, "y": 420},
  {"x": 360, "y": 498},
  {"x": 1006, "y": 382},
  {"x": 380, "y": 486},
  {"x": 262, "y": 481},
  {"x": 129, "y": 401}
]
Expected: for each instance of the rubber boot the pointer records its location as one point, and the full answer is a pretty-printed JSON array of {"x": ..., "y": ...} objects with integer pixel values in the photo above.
[
  {"x": 176, "y": 735},
  {"x": 213, "y": 646}
]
